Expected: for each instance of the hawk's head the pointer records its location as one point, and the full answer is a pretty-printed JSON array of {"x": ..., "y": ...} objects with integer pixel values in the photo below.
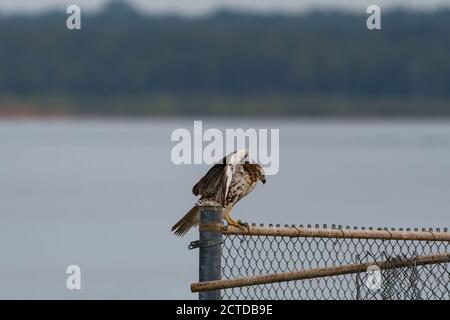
[
  {"x": 261, "y": 174},
  {"x": 256, "y": 171}
]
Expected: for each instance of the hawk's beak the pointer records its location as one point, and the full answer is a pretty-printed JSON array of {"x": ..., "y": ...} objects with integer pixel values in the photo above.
[{"x": 263, "y": 179}]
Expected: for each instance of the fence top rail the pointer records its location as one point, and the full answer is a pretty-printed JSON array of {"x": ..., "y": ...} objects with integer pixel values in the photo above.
[{"x": 316, "y": 232}]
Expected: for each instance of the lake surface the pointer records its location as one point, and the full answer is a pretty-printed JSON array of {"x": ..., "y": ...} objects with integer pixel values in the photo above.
[{"x": 104, "y": 194}]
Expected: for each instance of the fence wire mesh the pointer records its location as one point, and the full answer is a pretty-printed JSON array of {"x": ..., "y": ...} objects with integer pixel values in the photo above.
[{"x": 247, "y": 256}]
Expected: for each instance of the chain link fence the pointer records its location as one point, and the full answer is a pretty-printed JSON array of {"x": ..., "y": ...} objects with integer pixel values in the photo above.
[
  {"x": 249, "y": 255},
  {"x": 302, "y": 263}
]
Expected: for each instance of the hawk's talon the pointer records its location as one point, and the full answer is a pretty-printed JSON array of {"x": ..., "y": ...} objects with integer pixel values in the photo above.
[
  {"x": 243, "y": 224},
  {"x": 238, "y": 224}
]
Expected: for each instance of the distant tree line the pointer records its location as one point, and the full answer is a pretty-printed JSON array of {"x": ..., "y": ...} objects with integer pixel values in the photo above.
[{"x": 121, "y": 52}]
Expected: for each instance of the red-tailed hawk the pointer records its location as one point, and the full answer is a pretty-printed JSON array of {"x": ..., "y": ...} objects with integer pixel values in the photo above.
[{"x": 227, "y": 182}]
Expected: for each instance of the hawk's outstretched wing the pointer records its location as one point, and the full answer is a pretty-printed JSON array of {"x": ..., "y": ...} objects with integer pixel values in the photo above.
[{"x": 215, "y": 184}]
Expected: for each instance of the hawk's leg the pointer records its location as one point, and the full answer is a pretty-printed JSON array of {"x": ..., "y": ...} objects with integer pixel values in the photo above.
[{"x": 234, "y": 223}]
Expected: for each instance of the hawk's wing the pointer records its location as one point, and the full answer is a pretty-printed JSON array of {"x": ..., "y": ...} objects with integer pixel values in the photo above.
[
  {"x": 214, "y": 185},
  {"x": 216, "y": 182},
  {"x": 210, "y": 181}
]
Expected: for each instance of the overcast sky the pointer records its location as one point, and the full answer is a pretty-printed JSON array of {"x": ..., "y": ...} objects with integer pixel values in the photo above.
[{"x": 206, "y": 6}]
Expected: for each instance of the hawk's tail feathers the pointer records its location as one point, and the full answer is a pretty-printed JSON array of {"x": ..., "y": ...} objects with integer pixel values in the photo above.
[{"x": 189, "y": 220}]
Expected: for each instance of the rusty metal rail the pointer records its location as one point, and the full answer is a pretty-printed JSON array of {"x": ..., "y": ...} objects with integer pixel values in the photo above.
[
  {"x": 293, "y": 231},
  {"x": 316, "y": 273}
]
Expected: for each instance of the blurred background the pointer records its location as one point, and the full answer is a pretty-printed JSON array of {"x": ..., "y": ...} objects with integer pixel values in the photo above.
[{"x": 86, "y": 118}]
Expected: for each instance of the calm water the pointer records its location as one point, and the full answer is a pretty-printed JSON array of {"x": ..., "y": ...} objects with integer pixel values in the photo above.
[{"x": 103, "y": 195}]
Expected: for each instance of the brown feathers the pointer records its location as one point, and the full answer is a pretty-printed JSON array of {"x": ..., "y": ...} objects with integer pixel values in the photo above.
[{"x": 224, "y": 184}]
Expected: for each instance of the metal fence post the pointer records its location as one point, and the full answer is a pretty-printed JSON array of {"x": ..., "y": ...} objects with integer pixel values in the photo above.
[{"x": 210, "y": 251}]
